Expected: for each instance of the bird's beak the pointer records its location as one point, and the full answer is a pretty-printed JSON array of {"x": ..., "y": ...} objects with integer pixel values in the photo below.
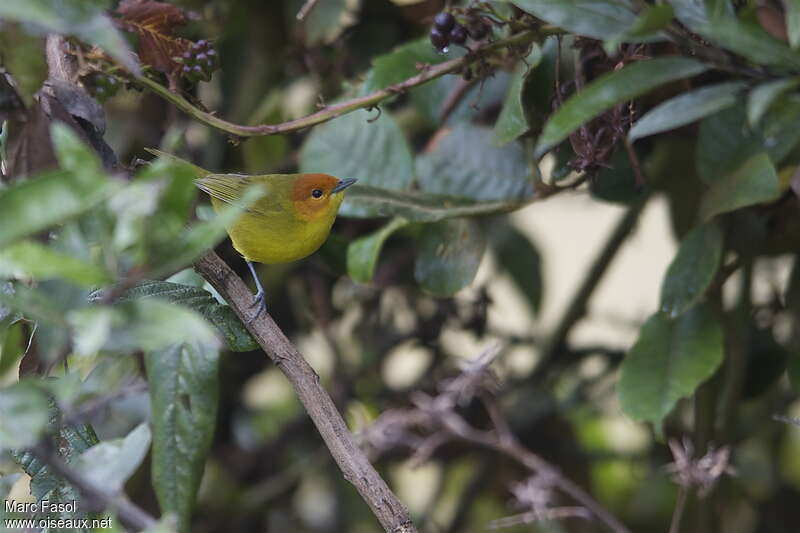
[{"x": 343, "y": 184}]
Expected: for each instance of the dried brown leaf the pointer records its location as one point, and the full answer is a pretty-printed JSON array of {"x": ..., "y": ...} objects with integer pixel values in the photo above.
[{"x": 154, "y": 23}]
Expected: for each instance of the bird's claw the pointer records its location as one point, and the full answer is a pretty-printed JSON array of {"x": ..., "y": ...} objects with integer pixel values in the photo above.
[{"x": 259, "y": 301}]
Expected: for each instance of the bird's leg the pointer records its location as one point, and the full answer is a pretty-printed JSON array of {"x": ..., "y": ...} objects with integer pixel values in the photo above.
[{"x": 259, "y": 297}]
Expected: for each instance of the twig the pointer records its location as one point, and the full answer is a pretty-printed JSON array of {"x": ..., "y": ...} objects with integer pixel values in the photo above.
[
  {"x": 306, "y": 9},
  {"x": 131, "y": 515},
  {"x": 363, "y": 102},
  {"x": 355, "y": 467},
  {"x": 677, "y": 514},
  {"x": 454, "y": 98}
]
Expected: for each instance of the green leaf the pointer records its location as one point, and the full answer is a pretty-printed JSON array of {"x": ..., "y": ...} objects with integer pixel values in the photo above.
[
  {"x": 754, "y": 182},
  {"x": 692, "y": 270},
  {"x": 685, "y": 109},
  {"x": 611, "y": 89},
  {"x": 183, "y": 396},
  {"x": 326, "y": 22},
  {"x": 362, "y": 253},
  {"x": 464, "y": 164},
  {"x": 726, "y": 140},
  {"x": 85, "y": 20},
  {"x": 669, "y": 361},
  {"x": 147, "y": 324},
  {"x": 518, "y": 255},
  {"x": 372, "y": 202},
  {"x": 449, "y": 255},
  {"x": 23, "y": 415},
  {"x": 70, "y": 441},
  {"x": 375, "y": 153},
  {"x": 649, "y": 21},
  {"x": 30, "y": 206},
  {"x": 762, "y": 96},
  {"x": 617, "y": 182},
  {"x": 110, "y": 463},
  {"x": 748, "y": 39},
  {"x": 236, "y": 336},
  {"x": 591, "y": 18},
  {"x": 793, "y": 22},
  {"x": 512, "y": 121},
  {"x": 402, "y": 63},
  {"x": 32, "y": 260}
]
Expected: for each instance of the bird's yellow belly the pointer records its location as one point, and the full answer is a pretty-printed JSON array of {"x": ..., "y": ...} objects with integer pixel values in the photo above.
[{"x": 264, "y": 241}]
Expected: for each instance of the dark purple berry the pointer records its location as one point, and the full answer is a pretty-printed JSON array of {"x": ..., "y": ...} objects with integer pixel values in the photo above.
[
  {"x": 444, "y": 22},
  {"x": 439, "y": 40},
  {"x": 458, "y": 35}
]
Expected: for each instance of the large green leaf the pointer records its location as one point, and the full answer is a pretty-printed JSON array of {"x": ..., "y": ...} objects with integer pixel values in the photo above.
[
  {"x": 611, "y": 89},
  {"x": 147, "y": 324},
  {"x": 512, "y": 121},
  {"x": 763, "y": 95},
  {"x": 23, "y": 415},
  {"x": 375, "y": 153},
  {"x": 33, "y": 260},
  {"x": 84, "y": 19},
  {"x": 372, "y": 202},
  {"x": 599, "y": 19},
  {"x": 362, "y": 253},
  {"x": 726, "y": 140},
  {"x": 465, "y": 164},
  {"x": 449, "y": 255},
  {"x": 686, "y": 108},
  {"x": 110, "y": 463},
  {"x": 236, "y": 336},
  {"x": 669, "y": 361},
  {"x": 649, "y": 21},
  {"x": 183, "y": 396},
  {"x": 754, "y": 182},
  {"x": 27, "y": 207},
  {"x": 748, "y": 39},
  {"x": 692, "y": 270}
]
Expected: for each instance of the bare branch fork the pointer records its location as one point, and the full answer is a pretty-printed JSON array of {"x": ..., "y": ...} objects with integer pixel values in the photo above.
[
  {"x": 352, "y": 461},
  {"x": 363, "y": 102},
  {"x": 438, "y": 415}
]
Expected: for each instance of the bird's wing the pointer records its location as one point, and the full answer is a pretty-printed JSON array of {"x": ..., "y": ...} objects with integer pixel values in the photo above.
[{"x": 230, "y": 188}]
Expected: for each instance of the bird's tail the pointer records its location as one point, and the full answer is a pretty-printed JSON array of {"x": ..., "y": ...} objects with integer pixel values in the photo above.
[{"x": 199, "y": 172}]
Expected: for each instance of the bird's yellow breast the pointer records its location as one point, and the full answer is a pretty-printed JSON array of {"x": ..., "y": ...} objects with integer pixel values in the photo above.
[{"x": 278, "y": 239}]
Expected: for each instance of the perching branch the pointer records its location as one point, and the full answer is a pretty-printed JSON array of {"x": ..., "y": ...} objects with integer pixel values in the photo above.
[
  {"x": 355, "y": 466},
  {"x": 362, "y": 102},
  {"x": 131, "y": 515}
]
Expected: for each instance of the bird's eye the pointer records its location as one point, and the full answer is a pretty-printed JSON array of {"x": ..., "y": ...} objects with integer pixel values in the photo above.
[{"x": 316, "y": 193}]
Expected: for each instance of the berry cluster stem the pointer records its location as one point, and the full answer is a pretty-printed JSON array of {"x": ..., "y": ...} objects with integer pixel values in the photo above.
[{"x": 363, "y": 102}]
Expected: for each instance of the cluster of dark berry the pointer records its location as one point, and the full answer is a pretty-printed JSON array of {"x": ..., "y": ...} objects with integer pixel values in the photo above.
[
  {"x": 199, "y": 62},
  {"x": 446, "y": 31},
  {"x": 102, "y": 85}
]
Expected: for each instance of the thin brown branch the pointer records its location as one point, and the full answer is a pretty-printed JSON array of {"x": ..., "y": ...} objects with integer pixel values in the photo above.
[
  {"x": 330, "y": 112},
  {"x": 355, "y": 466},
  {"x": 131, "y": 515}
]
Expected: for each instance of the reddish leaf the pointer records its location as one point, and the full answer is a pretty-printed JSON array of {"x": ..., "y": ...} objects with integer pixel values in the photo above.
[{"x": 154, "y": 23}]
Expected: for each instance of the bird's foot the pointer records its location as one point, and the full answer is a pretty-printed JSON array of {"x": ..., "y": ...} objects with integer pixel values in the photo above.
[{"x": 259, "y": 301}]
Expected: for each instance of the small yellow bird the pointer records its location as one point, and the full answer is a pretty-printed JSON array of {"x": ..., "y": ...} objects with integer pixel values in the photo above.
[{"x": 288, "y": 222}]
